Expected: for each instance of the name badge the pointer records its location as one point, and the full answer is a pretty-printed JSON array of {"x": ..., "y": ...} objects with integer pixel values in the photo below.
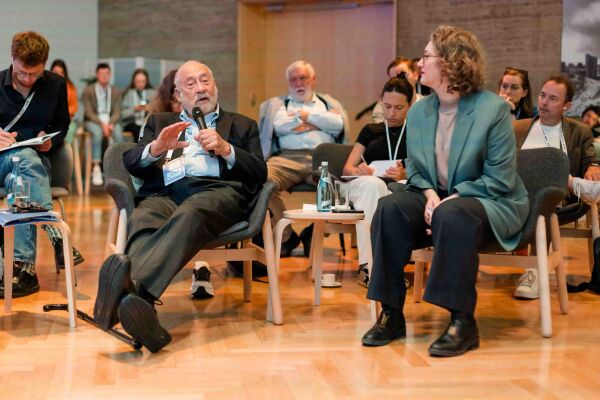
[{"x": 174, "y": 170}]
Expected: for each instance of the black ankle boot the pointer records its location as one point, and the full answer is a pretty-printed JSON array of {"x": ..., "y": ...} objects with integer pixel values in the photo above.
[
  {"x": 24, "y": 282},
  {"x": 389, "y": 326},
  {"x": 460, "y": 336},
  {"x": 57, "y": 243}
]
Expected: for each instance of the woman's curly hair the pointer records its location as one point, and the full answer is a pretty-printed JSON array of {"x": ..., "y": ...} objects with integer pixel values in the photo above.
[{"x": 461, "y": 57}]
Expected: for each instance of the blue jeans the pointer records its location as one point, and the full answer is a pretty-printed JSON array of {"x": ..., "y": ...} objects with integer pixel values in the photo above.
[
  {"x": 32, "y": 170},
  {"x": 97, "y": 135}
]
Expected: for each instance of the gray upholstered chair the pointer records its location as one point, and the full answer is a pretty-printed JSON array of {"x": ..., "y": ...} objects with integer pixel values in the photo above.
[
  {"x": 545, "y": 173},
  {"x": 119, "y": 186}
]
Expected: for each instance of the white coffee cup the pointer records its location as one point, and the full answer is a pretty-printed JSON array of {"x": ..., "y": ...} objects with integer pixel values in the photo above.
[{"x": 328, "y": 280}]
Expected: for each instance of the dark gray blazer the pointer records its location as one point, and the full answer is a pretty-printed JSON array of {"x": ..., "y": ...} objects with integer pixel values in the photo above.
[{"x": 247, "y": 175}]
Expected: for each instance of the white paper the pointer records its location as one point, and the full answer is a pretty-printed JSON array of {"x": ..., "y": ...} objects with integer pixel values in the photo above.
[
  {"x": 380, "y": 166},
  {"x": 31, "y": 142}
]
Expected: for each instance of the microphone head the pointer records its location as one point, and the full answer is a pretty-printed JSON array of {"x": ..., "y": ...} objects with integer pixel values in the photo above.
[{"x": 197, "y": 112}]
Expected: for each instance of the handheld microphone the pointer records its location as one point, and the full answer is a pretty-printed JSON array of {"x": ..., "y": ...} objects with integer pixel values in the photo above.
[{"x": 198, "y": 117}]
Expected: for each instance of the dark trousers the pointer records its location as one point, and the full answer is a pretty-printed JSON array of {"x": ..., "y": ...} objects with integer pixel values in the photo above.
[
  {"x": 459, "y": 227},
  {"x": 166, "y": 232}
]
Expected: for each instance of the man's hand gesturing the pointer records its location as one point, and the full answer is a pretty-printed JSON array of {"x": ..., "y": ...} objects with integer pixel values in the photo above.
[{"x": 168, "y": 139}]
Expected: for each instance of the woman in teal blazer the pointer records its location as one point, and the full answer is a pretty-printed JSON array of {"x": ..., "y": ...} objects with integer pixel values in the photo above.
[{"x": 463, "y": 192}]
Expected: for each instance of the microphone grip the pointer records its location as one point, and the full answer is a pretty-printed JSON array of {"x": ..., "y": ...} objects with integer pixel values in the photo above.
[{"x": 202, "y": 124}]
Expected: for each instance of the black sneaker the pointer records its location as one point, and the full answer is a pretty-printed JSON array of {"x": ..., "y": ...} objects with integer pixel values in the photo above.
[
  {"x": 289, "y": 245},
  {"x": 25, "y": 280},
  {"x": 363, "y": 275},
  {"x": 201, "y": 286},
  {"x": 139, "y": 319},
  {"x": 306, "y": 238}
]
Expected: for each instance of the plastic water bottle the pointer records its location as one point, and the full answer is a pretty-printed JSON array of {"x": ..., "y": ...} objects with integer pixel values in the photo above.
[
  {"x": 324, "y": 189},
  {"x": 16, "y": 182}
]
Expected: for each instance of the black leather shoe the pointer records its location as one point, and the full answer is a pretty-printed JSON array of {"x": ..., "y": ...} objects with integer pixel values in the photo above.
[
  {"x": 389, "y": 326},
  {"x": 461, "y": 336},
  {"x": 306, "y": 238},
  {"x": 139, "y": 319},
  {"x": 113, "y": 283},
  {"x": 24, "y": 283},
  {"x": 289, "y": 245}
]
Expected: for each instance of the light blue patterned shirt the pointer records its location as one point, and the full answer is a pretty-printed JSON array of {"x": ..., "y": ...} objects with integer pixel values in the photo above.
[{"x": 197, "y": 161}]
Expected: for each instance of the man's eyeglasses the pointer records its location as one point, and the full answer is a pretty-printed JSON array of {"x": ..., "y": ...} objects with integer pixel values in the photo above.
[
  {"x": 519, "y": 70},
  {"x": 24, "y": 75}
]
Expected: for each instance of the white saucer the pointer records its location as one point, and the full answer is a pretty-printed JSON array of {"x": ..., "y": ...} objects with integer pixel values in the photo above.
[{"x": 332, "y": 285}]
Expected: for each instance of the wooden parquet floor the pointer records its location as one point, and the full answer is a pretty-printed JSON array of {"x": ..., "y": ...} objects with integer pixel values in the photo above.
[{"x": 222, "y": 348}]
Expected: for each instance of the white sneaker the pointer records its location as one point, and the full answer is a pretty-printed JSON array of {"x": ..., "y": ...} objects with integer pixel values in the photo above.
[
  {"x": 529, "y": 286},
  {"x": 201, "y": 286},
  {"x": 588, "y": 191},
  {"x": 97, "y": 176}
]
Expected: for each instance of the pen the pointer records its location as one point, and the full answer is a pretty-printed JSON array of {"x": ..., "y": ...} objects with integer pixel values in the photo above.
[{"x": 363, "y": 159}]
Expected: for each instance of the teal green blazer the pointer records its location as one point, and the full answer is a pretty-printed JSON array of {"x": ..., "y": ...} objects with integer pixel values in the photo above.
[{"x": 481, "y": 163}]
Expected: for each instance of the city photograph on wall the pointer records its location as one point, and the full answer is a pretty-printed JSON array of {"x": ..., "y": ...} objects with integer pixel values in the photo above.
[{"x": 581, "y": 50}]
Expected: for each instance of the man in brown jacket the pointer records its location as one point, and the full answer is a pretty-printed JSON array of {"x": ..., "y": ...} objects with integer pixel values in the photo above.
[
  {"x": 102, "y": 103},
  {"x": 552, "y": 129}
]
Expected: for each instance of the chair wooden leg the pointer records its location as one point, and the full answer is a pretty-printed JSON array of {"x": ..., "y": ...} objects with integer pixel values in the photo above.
[
  {"x": 274, "y": 309},
  {"x": 561, "y": 277},
  {"x": 418, "y": 283},
  {"x": 247, "y": 275},
  {"x": 111, "y": 236},
  {"x": 9, "y": 248},
  {"x": 69, "y": 271},
  {"x": 77, "y": 166},
  {"x": 61, "y": 205},
  {"x": 542, "y": 262},
  {"x": 121, "y": 241},
  {"x": 88, "y": 161}
]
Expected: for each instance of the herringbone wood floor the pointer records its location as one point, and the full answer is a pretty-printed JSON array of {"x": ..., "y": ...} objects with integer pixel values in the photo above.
[{"x": 223, "y": 348}]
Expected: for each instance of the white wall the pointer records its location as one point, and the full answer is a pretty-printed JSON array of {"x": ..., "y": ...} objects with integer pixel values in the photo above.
[{"x": 71, "y": 27}]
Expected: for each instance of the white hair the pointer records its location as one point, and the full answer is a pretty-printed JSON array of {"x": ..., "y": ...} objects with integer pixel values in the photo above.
[
  {"x": 300, "y": 64},
  {"x": 177, "y": 76}
]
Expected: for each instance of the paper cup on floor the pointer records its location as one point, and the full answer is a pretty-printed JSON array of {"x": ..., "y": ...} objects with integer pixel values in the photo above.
[{"x": 328, "y": 281}]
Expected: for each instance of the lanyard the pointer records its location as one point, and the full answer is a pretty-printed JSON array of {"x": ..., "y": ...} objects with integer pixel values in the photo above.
[
  {"x": 20, "y": 114},
  {"x": 563, "y": 145},
  {"x": 387, "y": 136}
]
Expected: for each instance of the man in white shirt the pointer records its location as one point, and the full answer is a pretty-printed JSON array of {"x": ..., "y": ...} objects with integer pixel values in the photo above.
[
  {"x": 290, "y": 128},
  {"x": 551, "y": 129}
]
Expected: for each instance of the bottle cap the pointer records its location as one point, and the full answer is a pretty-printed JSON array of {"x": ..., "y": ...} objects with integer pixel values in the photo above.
[
  {"x": 15, "y": 159},
  {"x": 324, "y": 163}
]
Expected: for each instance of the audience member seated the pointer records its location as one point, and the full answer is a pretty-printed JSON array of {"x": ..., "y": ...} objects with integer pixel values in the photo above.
[
  {"x": 59, "y": 67},
  {"x": 102, "y": 106},
  {"x": 591, "y": 117},
  {"x": 382, "y": 141},
  {"x": 459, "y": 197},
  {"x": 290, "y": 128},
  {"x": 136, "y": 102},
  {"x": 183, "y": 204},
  {"x": 165, "y": 99},
  {"x": 33, "y": 102},
  {"x": 551, "y": 129},
  {"x": 514, "y": 88},
  {"x": 398, "y": 65}
]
